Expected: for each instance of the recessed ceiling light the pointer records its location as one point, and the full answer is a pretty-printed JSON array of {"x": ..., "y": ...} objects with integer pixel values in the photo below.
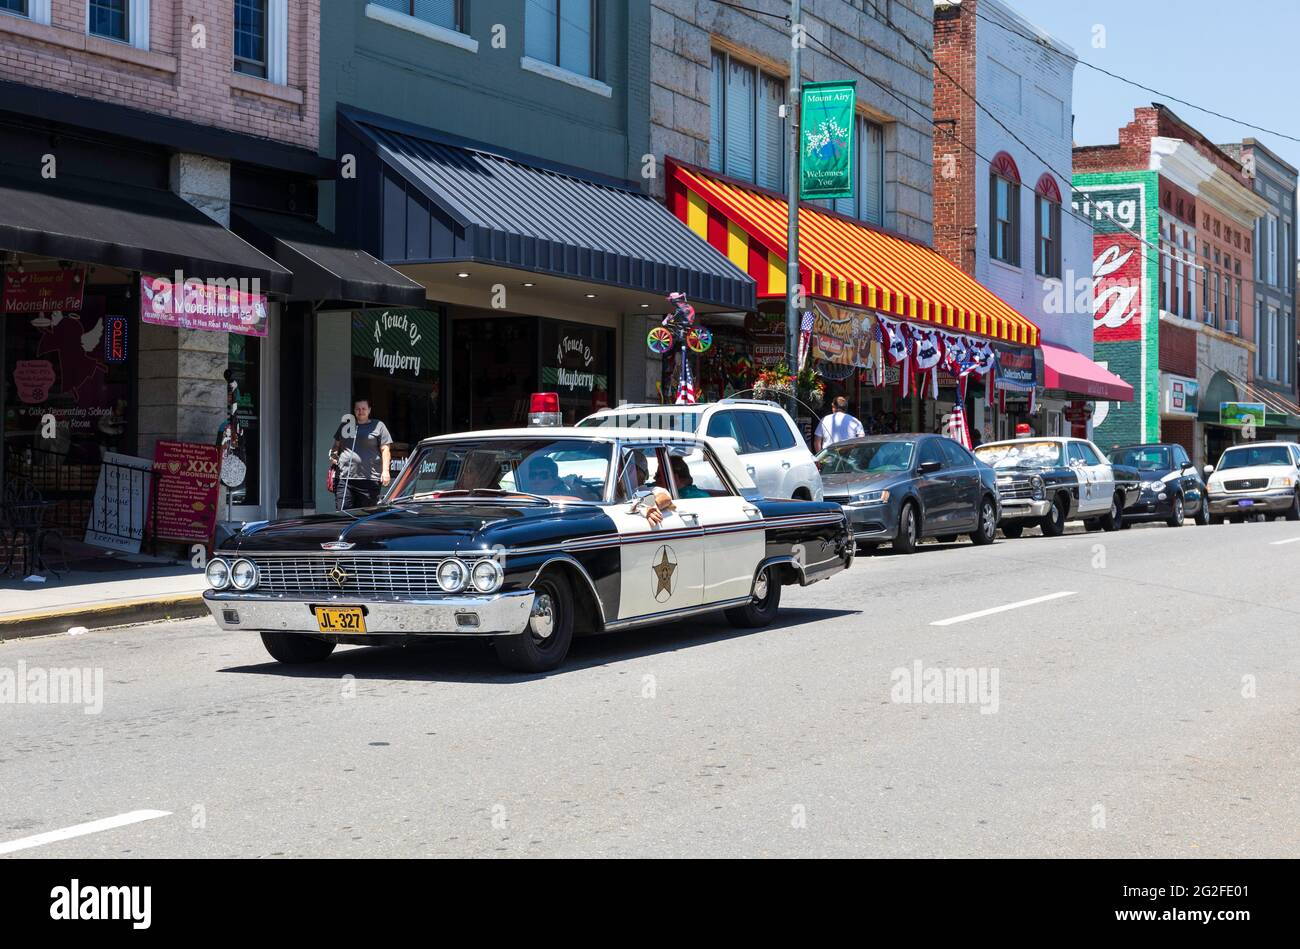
[
  {"x": 645, "y": 306},
  {"x": 591, "y": 296},
  {"x": 530, "y": 285},
  {"x": 462, "y": 275}
]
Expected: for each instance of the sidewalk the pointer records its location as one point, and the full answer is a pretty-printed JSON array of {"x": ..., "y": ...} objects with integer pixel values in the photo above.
[{"x": 107, "y": 592}]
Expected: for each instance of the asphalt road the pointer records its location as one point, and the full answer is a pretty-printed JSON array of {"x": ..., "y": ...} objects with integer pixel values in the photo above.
[{"x": 1153, "y": 712}]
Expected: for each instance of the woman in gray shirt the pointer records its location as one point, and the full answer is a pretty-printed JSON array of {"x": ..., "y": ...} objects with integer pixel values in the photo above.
[{"x": 362, "y": 461}]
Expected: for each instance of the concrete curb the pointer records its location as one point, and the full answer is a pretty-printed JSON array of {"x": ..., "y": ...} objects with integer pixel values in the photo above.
[{"x": 120, "y": 613}]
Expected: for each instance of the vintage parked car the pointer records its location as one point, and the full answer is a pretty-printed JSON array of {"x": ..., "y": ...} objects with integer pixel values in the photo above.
[
  {"x": 900, "y": 488},
  {"x": 1050, "y": 481},
  {"x": 761, "y": 432},
  {"x": 1259, "y": 478},
  {"x": 529, "y": 537},
  {"x": 1171, "y": 487}
]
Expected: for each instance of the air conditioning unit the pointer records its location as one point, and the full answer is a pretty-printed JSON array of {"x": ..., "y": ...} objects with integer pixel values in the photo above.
[
  {"x": 1211, "y": 319},
  {"x": 1232, "y": 326}
]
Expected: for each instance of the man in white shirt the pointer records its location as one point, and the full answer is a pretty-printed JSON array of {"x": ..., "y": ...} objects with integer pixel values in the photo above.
[{"x": 838, "y": 426}]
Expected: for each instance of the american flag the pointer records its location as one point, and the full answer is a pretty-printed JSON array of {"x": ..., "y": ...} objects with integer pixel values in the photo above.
[
  {"x": 686, "y": 394},
  {"x": 957, "y": 429},
  {"x": 805, "y": 336}
]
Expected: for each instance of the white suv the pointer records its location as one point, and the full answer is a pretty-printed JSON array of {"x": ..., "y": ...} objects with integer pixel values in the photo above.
[{"x": 767, "y": 441}]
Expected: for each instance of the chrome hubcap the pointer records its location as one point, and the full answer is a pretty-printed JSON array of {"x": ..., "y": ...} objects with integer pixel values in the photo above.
[
  {"x": 988, "y": 520},
  {"x": 760, "y": 586},
  {"x": 541, "y": 622}
]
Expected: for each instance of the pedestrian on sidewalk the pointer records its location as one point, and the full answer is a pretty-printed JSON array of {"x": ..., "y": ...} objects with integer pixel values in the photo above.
[
  {"x": 362, "y": 460},
  {"x": 837, "y": 426}
]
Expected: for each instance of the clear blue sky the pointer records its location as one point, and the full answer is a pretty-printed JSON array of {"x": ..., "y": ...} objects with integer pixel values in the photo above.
[{"x": 1241, "y": 58}]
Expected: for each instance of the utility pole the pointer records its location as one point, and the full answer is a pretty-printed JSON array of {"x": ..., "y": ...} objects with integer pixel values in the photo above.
[{"x": 792, "y": 236}]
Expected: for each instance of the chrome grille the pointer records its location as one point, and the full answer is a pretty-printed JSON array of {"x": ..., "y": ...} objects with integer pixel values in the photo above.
[
  {"x": 1246, "y": 484},
  {"x": 401, "y": 576},
  {"x": 1011, "y": 489}
]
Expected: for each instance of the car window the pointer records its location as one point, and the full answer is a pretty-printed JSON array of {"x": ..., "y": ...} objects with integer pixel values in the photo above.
[
  {"x": 930, "y": 451},
  {"x": 957, "y": 456},
  {"x": 1090, "y": 456},
  {"x": 1015, "y": 453},
  {"x": 1180, "y": 457},
  {"x": 1074, "y": 453},
  {"x": 758, "y": 436},
  {"x": 638, "y": 468},
  {"x": 705, "y": 479},
  {"x": 1154, "y": 458},
  {"x": 851, "y": 458},
  {"x": 564, "y": 468},
  {"x": 780, "y": 430},
  {"x": 666, "y": 420},
  {"x": 1256, "y": 455},
  {"x": 723, "y": 425}
]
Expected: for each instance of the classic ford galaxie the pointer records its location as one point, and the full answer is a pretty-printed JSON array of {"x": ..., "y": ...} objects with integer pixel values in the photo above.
[{"x": 529, "y": 537}]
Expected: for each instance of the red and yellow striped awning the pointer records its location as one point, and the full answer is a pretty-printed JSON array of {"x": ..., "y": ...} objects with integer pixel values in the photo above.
[{"x": 839, "y": 259}]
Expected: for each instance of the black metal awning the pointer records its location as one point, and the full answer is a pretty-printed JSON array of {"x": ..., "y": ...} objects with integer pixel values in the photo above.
[
  {"x": 324, "y": 268},
  {"x": 118, "y": 225},
  {"x": 421, "y": 197}
]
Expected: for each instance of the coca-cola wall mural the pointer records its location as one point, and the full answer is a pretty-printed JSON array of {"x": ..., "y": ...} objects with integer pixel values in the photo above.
[{"x": 1123, "y": 209}]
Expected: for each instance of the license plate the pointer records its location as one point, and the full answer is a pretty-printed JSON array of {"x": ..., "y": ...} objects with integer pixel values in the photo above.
[
  {"x": 1245, "y": 503},
  {"x": 340, "y": 619}
]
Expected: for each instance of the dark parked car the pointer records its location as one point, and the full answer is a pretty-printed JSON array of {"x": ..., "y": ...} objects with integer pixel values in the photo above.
[
  {"x": 900, "y": 488},
  {"x": 1049, "y": 481},
  {"x": 527, "y": 538},
  {"x": 1171, "y": 487}
]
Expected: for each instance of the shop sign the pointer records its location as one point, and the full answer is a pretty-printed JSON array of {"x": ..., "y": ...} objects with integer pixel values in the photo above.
[
  {"x": 219, "y": 306},
  {"x": 397, "y": 342},
  {"x": 1181, "y": 395},
  {"x": 33, "y": 378},
  {"x": 765, "y": 325},
  {"x": 115, "y": 329},
  {"x": 44, "y": 291},
  {"x": 572, "y": 370},
  {"x": 117, "y": 515},
  {"x": 843, "y": 336},
  {"x": 1240, "y": 414},
  {"x": 187, "y": 491},
  {"x": 1015, "y": 369},
  {"x": 826, "y": 125}
]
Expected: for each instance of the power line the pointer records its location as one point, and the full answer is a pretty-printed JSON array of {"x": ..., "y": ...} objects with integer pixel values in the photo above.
[{"x": 1146, "y": 88}]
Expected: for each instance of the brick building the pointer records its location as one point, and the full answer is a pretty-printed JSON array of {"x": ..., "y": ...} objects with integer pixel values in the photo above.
[
  {"x": 1176, "y": 218},
  {"x": 1001, "y": 171},
  {"x": 142, "y": 140}
]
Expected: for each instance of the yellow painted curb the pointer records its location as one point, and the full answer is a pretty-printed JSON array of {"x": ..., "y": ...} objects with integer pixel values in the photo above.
[{"x": 101, "y": 616}]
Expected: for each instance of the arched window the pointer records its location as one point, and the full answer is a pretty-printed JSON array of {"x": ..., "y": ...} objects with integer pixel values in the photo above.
[
  {"x": 1047, "y": 227},
  {"x": 1004, "y": 209}
]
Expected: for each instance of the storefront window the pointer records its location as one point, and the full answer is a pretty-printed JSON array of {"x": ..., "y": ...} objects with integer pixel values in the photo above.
[
  {"x": 65, "y": 403},
  {"x": 397, "y": 365},
  {"x": 245, "y": 370},
  {"x": 578, "y": 363}
]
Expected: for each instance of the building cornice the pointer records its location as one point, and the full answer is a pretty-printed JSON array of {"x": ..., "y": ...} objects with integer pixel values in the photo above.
[{"x": 1180, "y": 162}]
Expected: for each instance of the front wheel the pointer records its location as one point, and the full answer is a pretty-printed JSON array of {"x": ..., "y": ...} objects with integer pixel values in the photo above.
[
  {"x": 1012, "y": 531},
  {"x": 987, "y": 526},
  {"x": 1202, "y": 513},
  {"x": 908, "y": 533},
  {"x": 1113, "y": 519},
  {"x": 1293, "y": 512},
  {"x": 1178, "y": 513},
  {"x": 1054, "y": 523},
  {"x": 545, "y": 641},
  {"x": 295, "y": 649},
  {"x": 762, "y": 608}
]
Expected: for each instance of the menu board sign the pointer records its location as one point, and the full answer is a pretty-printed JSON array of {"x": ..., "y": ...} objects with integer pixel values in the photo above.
[
  {"x": 117, "y": 516},
  {"x": 187, "y": 491}
]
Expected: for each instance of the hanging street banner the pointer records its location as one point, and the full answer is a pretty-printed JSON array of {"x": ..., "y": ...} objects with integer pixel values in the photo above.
[
  {"x": 1239, "y": 414},
  {"x": 826, "y": 122},
  {"x": 218, "y": 306}
]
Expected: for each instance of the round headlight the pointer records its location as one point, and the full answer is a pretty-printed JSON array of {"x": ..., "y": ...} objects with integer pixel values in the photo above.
[
  {"x": 243, "y": 575},
  {"x": 487, "y": 576},
  {"x": 452, "y": 575},
  {"x": 218, "y": 574}
]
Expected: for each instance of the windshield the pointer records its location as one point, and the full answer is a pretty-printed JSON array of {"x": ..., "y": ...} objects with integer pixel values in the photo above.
[
  {"x": 569, "y": 469},
  {"x": 1014, "y": 454},
  {"x": 869, "y": 458},
  {"x": 660, "y": 421},
  {"x": 1143, "y": 459},
  {"x": 1257, "y": 455}
]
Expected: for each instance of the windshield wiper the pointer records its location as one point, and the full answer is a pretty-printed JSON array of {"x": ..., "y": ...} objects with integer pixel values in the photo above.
[{"x": 479, "y": 492}]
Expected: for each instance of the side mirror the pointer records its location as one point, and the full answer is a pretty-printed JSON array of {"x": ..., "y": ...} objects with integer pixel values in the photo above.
[
  {"x": 1209, "y": 469},
  {"x": 929, "y": 467},
  {"x": 643, "y": 497}
]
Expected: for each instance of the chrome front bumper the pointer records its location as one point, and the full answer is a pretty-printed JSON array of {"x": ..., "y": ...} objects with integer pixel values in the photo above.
[
  {"x": 499, "y": 614},
  {"x": 1279, "y": 499},
  {"x": 1015, "y": 509}
]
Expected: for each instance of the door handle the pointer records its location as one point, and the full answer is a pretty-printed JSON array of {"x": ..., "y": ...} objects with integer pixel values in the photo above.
[
  {"x": 689, "y": 516},
  {"x": 749, "y": 511},
  {"x": 749, "y": 469},
  {"x": 785, "y": 464}
]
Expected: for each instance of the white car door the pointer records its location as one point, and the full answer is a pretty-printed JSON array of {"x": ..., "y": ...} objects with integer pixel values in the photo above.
[
  {"x": 734, "y": 540},
  {"x": 761, "y": 465},
  {"x": 1103, "y": 476},
  {"x": 661, "y": 566},
  {"x": 1088, "y": 503}
]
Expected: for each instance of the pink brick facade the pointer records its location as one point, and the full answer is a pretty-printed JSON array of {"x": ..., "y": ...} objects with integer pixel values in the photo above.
[{"x": 187, "y": 72}]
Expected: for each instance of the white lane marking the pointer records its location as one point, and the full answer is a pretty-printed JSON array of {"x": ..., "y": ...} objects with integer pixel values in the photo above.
[
  {"x": 1289, "y": 540},
  {"x": 81, "y": 830},
  {"x": 1001, "y": 609}
]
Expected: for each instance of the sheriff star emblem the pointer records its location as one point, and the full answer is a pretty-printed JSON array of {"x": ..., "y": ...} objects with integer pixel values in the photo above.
[
  {"x": 664, "y": 568},
  {"x": 338, "y": 575}
]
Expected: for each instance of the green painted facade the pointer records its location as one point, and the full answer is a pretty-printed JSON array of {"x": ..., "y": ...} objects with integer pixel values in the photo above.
[{"x": 1123, "y": 206}]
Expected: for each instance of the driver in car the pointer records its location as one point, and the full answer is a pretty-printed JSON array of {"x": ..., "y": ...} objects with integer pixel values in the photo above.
[{"x": 543, "y": 477}]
